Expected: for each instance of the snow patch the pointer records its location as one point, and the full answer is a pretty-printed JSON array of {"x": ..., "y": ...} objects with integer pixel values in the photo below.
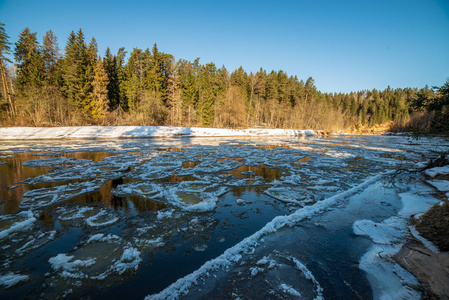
[
  {"x": 108, "y": 132},
  {"x": 388, "y": 279},
  {"x": 428, "y": 244}
]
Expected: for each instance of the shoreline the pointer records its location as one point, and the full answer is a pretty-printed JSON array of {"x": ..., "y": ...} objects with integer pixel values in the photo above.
[
  {"x": 429, "y": 268},
  {"x": 114, "y": 132}
]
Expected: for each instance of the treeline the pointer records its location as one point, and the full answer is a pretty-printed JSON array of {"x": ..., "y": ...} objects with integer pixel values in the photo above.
[{"x": 149, "y": 87}]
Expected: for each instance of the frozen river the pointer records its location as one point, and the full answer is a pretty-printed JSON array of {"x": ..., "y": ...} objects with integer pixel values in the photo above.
[{"x": 193, "y": 218}]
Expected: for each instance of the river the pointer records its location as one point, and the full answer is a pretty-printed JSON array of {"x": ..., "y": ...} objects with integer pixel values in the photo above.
[{"x": 203, "y": 217}]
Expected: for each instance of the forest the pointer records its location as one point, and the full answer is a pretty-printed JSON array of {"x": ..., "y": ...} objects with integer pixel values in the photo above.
[{"x": 43, "y": 87}]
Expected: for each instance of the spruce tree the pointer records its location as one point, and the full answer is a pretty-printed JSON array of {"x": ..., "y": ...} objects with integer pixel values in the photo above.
[
  {"x": 28, "y": 59},
  {"x": 50, "y": 56},
  {"x": 77, "y": 86},
  {"x": 120, "y": 64},
  {"x": 111, "y": 68},
  {"x": 5, "y": 50}
]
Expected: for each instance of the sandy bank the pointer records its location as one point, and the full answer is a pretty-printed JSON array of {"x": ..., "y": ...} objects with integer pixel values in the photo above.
[{"x": 431, "y": 269}]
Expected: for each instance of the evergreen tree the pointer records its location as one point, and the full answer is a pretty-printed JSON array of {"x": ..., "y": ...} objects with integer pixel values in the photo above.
[
  {"x": 91, "y": 54},
  {"x": 30, "y": 67},
  {"x": 77, "y": 86},
  {"x": 4, "y": 42},
  {"x": 310, "y": 88},
  {"x": 5, "y": 50},
  {"x": 174, "y": 101},
  {"x": 134, "y": 75},
  {"x": 99, "y": 94},
  {"x": 50, "y": 56},
  {"x": 110, "y": 65},
  {"x": 436, "y": 103},
  {"x": 207, "y": 93},
  {"x": 120, "y": 64}
]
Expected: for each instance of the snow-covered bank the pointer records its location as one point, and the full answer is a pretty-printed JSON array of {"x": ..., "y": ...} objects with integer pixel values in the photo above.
[{"x": 110, "y": 132}]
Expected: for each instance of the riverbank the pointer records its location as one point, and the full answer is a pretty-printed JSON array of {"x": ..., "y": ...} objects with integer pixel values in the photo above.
[
  {"x": 426, "y": 255},
  {"x": 113, "y": 132}
]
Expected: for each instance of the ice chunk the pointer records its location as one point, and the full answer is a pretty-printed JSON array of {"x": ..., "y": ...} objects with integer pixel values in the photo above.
[
  {"x": 289, "y": 290},
  {"x": 129, "y": 261},
  {"x": 75, "y": 213},
  {"x": 19, "y": 225},
  {"x": 437, "y": 171},
  {"x": 388, "y": 280},
  {"x": 103, "y": 218},
  {"x": 63, "y": 263},
  {"x": 378, "y": 232},
  {"x": 10, "y": 279},
  {"x": 441, "y": 185}
]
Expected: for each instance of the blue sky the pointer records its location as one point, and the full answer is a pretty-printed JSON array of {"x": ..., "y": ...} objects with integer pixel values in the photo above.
[{"x": 344, "y": 45}]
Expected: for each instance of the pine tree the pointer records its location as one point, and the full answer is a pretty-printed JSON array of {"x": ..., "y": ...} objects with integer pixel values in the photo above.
[
  {"x": 5, "y": 50},
  {"x": 99, "y": 95}
]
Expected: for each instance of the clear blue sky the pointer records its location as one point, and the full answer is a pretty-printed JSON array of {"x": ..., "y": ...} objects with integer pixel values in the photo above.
[{"x": 344, "y": 45}]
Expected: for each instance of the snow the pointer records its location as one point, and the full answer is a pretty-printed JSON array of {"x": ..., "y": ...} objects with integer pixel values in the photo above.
[
  {"x": 63, "y": 263},
  {"x": 389, "y": 280},
  {"x": 109, "y": 132},
  {"x": 437, "y": 171},
  {"x": 103, "y": 218},
  {"x": 428, "y": 244},
  {"x": 10, "y": 279},
  {"x": 441, "y": 185},
  {"x": 129, "y": 261},
  {"x": 76, "y": 213},
  {"x": 379, "y": 233},
  {"x": 101, "y": 237},
  {"x": 19, "y": 226}
]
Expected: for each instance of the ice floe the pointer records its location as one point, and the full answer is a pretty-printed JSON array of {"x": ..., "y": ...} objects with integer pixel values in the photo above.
[
  {"x": 102, "y": 218},
  {"x": 99, "y": 218},
  {"x": 387, "y": 278},
  {"x": 234, "y": 254},
  {"x": 11, "y": 279},
  {"x": 437, "y": 171},
  {"x": 441, "y": 185},
  {"x": 21, "y": 222}
]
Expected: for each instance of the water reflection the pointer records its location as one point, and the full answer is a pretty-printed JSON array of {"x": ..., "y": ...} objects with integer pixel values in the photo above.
[
  {"x": 175, "y": 179},
  {"x": 12, "y": 172},
  {"x": 129, "y": 204},
  {"x": 260, "y": 171},
  {"x": 190, "y": 164},
  {"x": 303, "y": 160}
]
